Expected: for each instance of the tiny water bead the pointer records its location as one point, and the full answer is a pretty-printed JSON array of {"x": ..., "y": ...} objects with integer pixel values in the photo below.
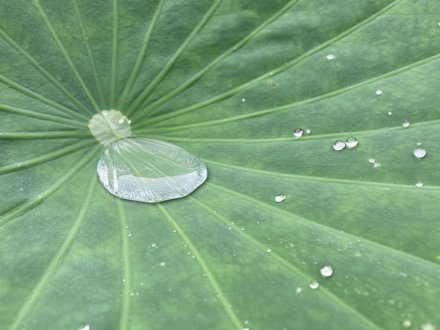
[
  {"x": 326, "y": 271},
  {"x": 406, "y": 124},
  {"x": 379, "y": 92},
  {"x": 298, "y": 132},
  {"x": 280, "y": 198},
  {"x": 330, "y": 57},
  {"x": 339, "y": 145},
  {"x": 406, "y": 323},
  {"x": 314, "y": 285},
  {"x": 419, "y": 153},
  {"x": 419, "y": 184},
  {"x": 351, "y": 143}
]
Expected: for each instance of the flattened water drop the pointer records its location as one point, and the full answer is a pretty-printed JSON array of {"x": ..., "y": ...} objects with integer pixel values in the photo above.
[
  {"x": 151, "y": 171},
  {"x": 406, "y": 124},
  {"x": 314, "y": 285},
  {"x": 280, "y": 198}
]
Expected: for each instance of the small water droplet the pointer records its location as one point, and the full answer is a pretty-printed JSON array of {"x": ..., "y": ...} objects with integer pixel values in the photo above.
[
  {"x": 351, "y": 143},
  {"x": 243, "y": 100},
  {"x": 121, "y": 121},
  {"x": 269, "y": 250},
  {"x": 21, "y": 188},
  {"x": 132, "y": 294},
  {"x": 379, "y": 92},
  {"x": 308, "y": 131},
  {"x": 407, "y": 323},
  {"x": 242, "y": 228},
  {"x": 428, "y": 326},
  {"x": 390, "y": 113},
  {"x": 280, "y": 198},
  {"x": 326, "y": 271},
  {"x": 376, "y": 165},
  {"x": 85, "y": 327},
  {"x": 330, "y": 57},
  {"x": 153, "y": 245},
  {"x": 419, "y": 184},
  {"x": 339, "y": 145},
  {"x": 298, "y": 132},
  {"x": 406, "y": 124},
  {"x": 372, "y": 161},
  {"x": 163, "y": 264},
  {"x": 129, "y": 235},
  {"x": 314, "y": 285},
  {"x": 298, "y": 290},
  {"x": 420, "y": 153}
]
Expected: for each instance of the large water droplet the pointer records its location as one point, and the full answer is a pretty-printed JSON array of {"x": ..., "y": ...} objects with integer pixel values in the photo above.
[
  {"x": 298, "y": 132},
  {"x": 420, "y": 153},
  {"x": 351, "y": 143},
  {"x": 339, "y": 145},
  {"x": 326, "y": 271},
  {"x": 150, "y": 171},
  {"x": 280, "y": 198}
]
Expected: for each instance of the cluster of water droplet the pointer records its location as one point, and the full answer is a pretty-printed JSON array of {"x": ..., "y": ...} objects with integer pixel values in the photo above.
[{"x": 350, "y": 143}]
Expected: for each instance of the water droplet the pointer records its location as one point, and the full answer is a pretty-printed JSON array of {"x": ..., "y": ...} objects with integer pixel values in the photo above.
[
  {"x": 269, "y": 250},
  {"x": 298, "y": 290},
  {"x": 376, "y": 165},
  {"x": 379, "y": 92},
  {"x": 148, "y": 170},
  {"x": 351, "y": 143},
  {"x": 420, "y": 153},
  {"x": 243, "y": 100},
  {"x": 163, "y": 264},
  {"x": 314, "y": 285},
  {"x": 372, "y": 161},
  {"x": 407, "y": 323},
  {"x": 390, "y": 113},
  {"x": 330, "y": 57},
  {"x": 153, "y": 245},
  {"x": 298, "y": 132},
  {"x": 406, "y": 124},
  {"x": 21, "y": 188},
  {"x": 85, "y": 327},
  {"x": 428, "y": 326},
  {"x": 129, "y": 235},
  {"x": 326, "y": 271},
  {"x": 242, "y": 228},
  {"x": 308, "y": 131},
  {"x": 419, "y": 184},
  {"x": 339, "y": 145},
  {"x": 280, "y": 198},
  {"x": 109, "y": 126}
]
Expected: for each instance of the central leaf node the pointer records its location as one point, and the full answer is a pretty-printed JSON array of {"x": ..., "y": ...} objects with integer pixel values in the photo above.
[{"x": 109, "y": 126}]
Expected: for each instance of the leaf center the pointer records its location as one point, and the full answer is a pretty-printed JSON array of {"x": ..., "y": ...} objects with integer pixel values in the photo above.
[{"x": 109, "y": 126}]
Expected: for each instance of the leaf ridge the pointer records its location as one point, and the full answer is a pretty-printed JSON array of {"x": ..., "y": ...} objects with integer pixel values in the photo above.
[
  {"x": 66, "y": 56},
  {"x": 292, "y": 63},
  {"x": 223, "y": 300},
  {"x": 165, "y": 98},
  {"x": 293, "y": 268},
  {"x": 152, "y": 86},
  {"x": 58, "y": 258}
]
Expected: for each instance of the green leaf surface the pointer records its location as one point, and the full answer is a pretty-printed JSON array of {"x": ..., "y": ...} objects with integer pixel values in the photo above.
[{"x": 228, "y": 81}]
